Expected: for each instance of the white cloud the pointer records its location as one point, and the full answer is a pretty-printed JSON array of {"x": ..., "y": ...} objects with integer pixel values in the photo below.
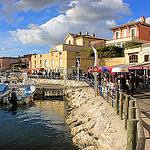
[
  {"x": 94, "y": 10},
  {"x": 86, "y": 15},
  {"x": 11, "y": 6},
  {"x": 54, "y": 31},
  {"x": 3, "y": 48},
  {"x": 147, "y": 20}
]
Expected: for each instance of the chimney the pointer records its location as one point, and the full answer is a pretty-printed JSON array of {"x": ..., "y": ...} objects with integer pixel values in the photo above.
[
  {"x": 79, "y": 33},
  {"x": 87, "y": 33},
  {"x": 143, "y": 19},
  {"x": 93, "y": 35}
]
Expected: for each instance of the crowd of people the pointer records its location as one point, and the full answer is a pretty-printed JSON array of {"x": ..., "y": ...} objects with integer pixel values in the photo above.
[{"x": 126, "y": 83}]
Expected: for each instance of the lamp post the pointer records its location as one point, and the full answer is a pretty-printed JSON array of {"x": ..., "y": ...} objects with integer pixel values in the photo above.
[
  {"x": 95, "y": 64},
  {"x": 78, "y": 70}
]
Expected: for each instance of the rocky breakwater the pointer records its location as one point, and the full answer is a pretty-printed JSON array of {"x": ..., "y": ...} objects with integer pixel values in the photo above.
[{"x": 93, "y": 123}]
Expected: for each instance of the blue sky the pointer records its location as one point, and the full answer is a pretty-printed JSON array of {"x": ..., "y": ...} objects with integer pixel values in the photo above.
[{"x": 29, "y": 26}]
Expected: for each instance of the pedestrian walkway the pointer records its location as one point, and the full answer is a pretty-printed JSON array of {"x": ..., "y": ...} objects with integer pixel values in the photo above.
[{"x": 143, "y": 97}]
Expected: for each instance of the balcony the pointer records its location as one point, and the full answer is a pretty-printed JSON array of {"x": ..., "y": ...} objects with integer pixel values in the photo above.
[{"x": 122, "y": 40}]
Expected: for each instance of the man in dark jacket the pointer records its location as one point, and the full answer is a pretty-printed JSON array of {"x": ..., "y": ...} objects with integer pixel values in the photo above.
[
  {"x": 123, "y": 83},
  {"x": 131, "y": 85},
  {"x": 13, "y": 100}
]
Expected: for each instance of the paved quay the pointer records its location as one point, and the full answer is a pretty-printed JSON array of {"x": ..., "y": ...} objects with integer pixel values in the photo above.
[{"x": 143, "y": 97}]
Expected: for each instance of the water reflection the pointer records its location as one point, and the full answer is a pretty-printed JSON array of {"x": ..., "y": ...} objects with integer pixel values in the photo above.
[{"x": 41, "y": 127}]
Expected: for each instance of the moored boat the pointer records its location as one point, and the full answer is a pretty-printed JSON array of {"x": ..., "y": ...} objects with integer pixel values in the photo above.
[
  {"x": 4, "y": 91},
  {"x": 25, "y": 94}
]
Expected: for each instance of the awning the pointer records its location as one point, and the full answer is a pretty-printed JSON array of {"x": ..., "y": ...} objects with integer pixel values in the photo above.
[
  {"x": 140, "y": 67},
  {"x": 101, "y": 69},
  {"x": 32, "y": 69},
  {"x": 120, "y": 69},
  {"x": 26, "y": 69}
]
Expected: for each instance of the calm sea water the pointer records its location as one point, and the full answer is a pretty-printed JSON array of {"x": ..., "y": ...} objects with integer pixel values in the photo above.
[{"x": 38, "y": 127}]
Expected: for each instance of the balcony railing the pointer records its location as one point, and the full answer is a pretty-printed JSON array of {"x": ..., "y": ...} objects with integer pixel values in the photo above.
[
  {"x": 145, "y": 45},
  {"x": 122, "y": 39}
]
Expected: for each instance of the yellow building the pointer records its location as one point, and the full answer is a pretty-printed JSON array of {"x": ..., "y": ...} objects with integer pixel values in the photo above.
[
  {"x": 67, "y": 56},
  {"x": 138, "y": 59},
  {"x": 56, "y": 61},
  {"x": 138, "y": 55},
  {"x": 79, "y": 41}
]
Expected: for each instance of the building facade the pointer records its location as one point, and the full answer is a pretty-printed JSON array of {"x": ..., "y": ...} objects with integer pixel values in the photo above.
[
  {"x": 5, "y": 62},
  {"x": 56, "y": 61},
  {"x": 138, "y": 31},
  {"x": 79, "y": 41}
]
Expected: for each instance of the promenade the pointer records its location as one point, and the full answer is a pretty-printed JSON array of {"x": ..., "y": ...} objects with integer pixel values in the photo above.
[{"x": 143, "y": 97}]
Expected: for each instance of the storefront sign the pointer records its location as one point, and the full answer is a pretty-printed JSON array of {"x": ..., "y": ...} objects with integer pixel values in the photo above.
[
  {"x": 145, "y": 52},
  {"x": 132, "y": 53}
]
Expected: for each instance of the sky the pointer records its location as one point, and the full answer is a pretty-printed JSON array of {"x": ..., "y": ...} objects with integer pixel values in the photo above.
[{"x": 35, "y": 26}]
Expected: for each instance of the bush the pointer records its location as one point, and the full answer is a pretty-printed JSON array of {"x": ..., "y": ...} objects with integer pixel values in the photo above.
[
  {"x": 132, "y": 44},
  {"x": 107, "y": 51}
]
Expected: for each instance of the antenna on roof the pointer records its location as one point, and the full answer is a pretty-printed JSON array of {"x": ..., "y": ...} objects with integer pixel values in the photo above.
[{"x": 141, "y": 12}]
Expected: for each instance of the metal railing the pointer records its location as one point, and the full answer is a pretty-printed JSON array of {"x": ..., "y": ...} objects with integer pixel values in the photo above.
[{"x": 127, "y": 108}]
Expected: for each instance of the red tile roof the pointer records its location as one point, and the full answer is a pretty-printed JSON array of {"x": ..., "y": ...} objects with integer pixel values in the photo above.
[{"x": 129, "y": 24}]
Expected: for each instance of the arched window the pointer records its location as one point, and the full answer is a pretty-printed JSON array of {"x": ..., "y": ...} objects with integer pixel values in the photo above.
[
  {"x": 133, "y": 59},
  {"x": 52, "y": 62},
  {"x": 117, "y": 35},
  {"x": 132, "y": 32},
  {"x": 46, "y": 64},
  {"x": 60, "y": 61}
]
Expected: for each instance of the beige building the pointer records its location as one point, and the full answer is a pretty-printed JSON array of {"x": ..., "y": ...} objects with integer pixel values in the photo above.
[
  {"x": 138, "y": 55},
  {"x": 56, "y": 61},
  {"x": 67, "y": 55},
  {"x": 138, "y": 59},
  {"x": 79, "y": 41}
]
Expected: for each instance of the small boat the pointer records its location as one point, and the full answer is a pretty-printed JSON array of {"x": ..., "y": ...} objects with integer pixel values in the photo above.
[
  {"x": 4, "y": 91},
  {"x": 25, "y": 94}
]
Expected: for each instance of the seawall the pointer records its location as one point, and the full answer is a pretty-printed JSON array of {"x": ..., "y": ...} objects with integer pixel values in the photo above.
[{"x": 93, "y": 122}]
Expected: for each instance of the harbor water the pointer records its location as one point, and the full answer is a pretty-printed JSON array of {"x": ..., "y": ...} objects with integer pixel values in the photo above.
[{"x": 38, "y": 127}]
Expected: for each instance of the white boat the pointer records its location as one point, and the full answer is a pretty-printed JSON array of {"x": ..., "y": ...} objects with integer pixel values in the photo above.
[
  {"x": 4, "y": 91},
  {"x": 25, "y": 94}
]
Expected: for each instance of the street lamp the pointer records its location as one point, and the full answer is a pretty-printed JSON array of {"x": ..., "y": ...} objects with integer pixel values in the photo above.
[{"x": 95, "y": 64}]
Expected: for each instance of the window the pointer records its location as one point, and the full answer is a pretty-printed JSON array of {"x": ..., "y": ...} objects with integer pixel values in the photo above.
[
  {"x": 124, "y": 33},
  {"x": 133, "y": 58},
  {"x": 46, "y": 64},
  {"x": 34, "y": 63},
  {"x": 117, "y": 35},
  {"x": 101, "y": 44},
  {"x": 60, "y": 61},
  {"x": 69, "y": 42},
  {"x": 40, "y": 62},
  {"x": 52, "y": 62},
  {"x": 132, "y": 32},
  {"x": 77, "y": 61},
  {"x": 71, "y": 48},
  {"x": 89, "y": 43},
  {"x": 35, "y": 56},
  {"x": 146, "y": 58},
  {"x": 40, "y": 55},
  {"x": 76, "y": 49},
  {"x": 118, "y": 44}
]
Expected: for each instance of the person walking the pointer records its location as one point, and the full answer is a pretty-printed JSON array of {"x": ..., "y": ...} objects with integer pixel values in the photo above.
[
  {"x": 123, "y": 83},
  {"x": 131, "y": 85}
]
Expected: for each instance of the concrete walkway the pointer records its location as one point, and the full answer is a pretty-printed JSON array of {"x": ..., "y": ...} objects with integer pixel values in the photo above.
[{"x": 143, "y": 97}]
